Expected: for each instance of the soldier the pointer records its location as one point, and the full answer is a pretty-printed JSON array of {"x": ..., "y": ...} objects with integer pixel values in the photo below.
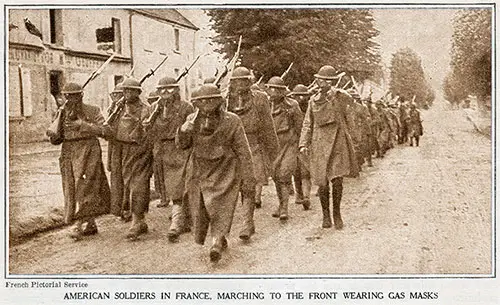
[
  {"x": 325, "y": 137},
  {"x": 85, "y": 186},
  {"x": 360, "y": 116},
  {"x": 385, "y": 128},
  {"x": 131, "y": 159},
  {"x": 288, "y": 123},
  {"x": 220, "y": 166},
  {"x": 404, "y": 118},
  {"x": 302, "y": 176},
  {"x": 252, "y": 107},
  {"x": 415, "y": 126},
  {"x": 171, "y": 114}
]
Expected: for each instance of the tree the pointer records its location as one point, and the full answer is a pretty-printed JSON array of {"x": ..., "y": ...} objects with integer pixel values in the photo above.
[
  {"x": 471, "y": 54},
  {"x": 408, "y": 78},
  {"x": 309, "y": 38}
]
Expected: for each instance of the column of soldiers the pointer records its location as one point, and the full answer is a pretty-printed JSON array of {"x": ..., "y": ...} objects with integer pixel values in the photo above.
[{"x": 211, "y": 152}]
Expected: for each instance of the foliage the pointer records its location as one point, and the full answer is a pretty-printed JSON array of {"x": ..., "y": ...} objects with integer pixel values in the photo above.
[
  {"x": 408, "y": 78},
  {"x": 310, "y": 38},
  {"x": 471, "y": 55}
]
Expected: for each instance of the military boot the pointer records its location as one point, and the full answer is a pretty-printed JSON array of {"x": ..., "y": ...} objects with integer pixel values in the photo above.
[
  {"x": 276, "y": 213},
  {"x": 337, "y": 198},
  {"x": 90, "y": 228},
  {"x": 248, "y": 228},
  {"x": 324, "y": 198},
  {"x": 285, "y": 195},
  {"x": 306, "y": 190},
  {"x": 178, "y": 222},
  {"x": 138, "y": 227},
  {"x": 76, "y": 232},
  {"x": 218, "y": 244}
]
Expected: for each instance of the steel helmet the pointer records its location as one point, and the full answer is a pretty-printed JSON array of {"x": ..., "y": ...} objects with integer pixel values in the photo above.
[
  {"x": 207, "y": 91},
  {"x": 241, "y": 73},
  {"x": 300, "y": 90},
  {"x": 71, "y": 88},
  {"x": 327, "y": 72},
  {"x": 207, "y": 98},
  {"x": 167, "y": 82},
  {"x": 276, "y": 82},
  {"x": 131, "y": 83},
  {"x": 209, "y": 80}
]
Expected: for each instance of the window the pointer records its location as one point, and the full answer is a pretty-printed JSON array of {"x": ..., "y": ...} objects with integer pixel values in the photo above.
[
  {"x": 110, "y": 38},
  {"x": 176, "y": 37},
  {"x": 55, "y": 17},
  {"x": 20, "y": 104}
]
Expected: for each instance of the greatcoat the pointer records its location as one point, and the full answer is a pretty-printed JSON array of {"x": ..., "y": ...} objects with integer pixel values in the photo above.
[
  {"x": 131, "y": 160},
  {"x": 325, "y": 134},
  {"x": 85, "y": 186},
  {"x": 170, "y": 159},
  {"x": 219, "y": 165}
]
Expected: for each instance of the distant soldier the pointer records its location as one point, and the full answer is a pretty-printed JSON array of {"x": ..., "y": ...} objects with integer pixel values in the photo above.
[
  {"x": 302, "y": 175},
  {"x": 220, "y": 166},
  {"x": 252, "y": 107},
  {"x": 385, "y": 128},
  {"x": 393, "y": 114},
  {"x": 415, "y": 128},
  {"x": 85, "y": 186},
  {"x": 326, "y": 140},
  {"x": 404, "y": 119},
  {"x": 360, "y": 116},
  {"x": 131, "y": 159},
  {"x": 288, "y": 123},
  {"x": 171, "y": 160}
]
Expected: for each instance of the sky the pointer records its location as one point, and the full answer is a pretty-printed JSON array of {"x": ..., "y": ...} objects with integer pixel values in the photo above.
[{"x": 426, "y": 31}]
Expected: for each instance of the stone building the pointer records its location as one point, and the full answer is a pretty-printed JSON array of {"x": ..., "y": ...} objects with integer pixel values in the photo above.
[{"x": 75, "y": 42}]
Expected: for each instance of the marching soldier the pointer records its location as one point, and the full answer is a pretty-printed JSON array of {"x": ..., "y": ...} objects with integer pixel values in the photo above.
[
  {"x": 85, "y": 186},
  {"x": 385, "y": 128},
  {"x": 220, "y": 166},
  {"x": 326, "y": 139},
  {"x": 415, "y": 126},
  {"x": 288, "y": 123},
  {"x": 252, "y": 107},
  {"x": 360, "y": 117},
  {"x": 302, "y": 176},
  {"x": 131, "y": 159},
  {"x": 171, "y": 114}
]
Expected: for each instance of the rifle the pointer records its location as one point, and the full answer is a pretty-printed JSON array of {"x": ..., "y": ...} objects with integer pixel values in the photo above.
[
  {"x": 149, "y": 121},
  {"x": 55, "y": 131},
  {"x": 287, "y": 71},
  {"x": 186, "y": 70},
  {"x": 99, "y": 70},
  {"x": 152, "y": 71},
  {"x": 235, "y": 58}
]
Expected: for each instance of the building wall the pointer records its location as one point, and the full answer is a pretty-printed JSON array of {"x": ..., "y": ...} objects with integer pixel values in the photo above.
[
  {"x": 30, "y": 63},
  {"x": 148, "y": 50}
]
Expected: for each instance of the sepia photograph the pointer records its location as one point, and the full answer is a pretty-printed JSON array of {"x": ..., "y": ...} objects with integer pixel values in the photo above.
[{"x": 261, "y": 141}]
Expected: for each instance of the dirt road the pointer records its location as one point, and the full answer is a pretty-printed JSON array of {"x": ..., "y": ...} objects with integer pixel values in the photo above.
[{"x": 424, "y": 210}]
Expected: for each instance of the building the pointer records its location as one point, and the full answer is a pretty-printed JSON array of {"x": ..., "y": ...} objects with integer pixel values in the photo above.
[{"x": 76, "y": 42}]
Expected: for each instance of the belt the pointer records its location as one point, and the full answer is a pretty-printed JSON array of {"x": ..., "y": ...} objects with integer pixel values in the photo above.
[
  {"x": 78, "y": 139},
  {"x": 125, "y": 142}
]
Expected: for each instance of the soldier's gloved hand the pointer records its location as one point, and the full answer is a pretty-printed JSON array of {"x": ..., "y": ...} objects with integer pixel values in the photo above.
[
  {"x": 304, "y": 151},
  {"x": 188, "y": 126}
]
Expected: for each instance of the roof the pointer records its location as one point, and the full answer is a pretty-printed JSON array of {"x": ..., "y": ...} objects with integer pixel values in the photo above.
[{"x": 170, "y": 15}]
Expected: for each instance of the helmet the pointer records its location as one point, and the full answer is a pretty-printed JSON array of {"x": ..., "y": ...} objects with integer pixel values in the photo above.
[
  {"x": 167, "y": 82},
  {"x": 71, "y": 88},
  {"x": 327, "y": 72},
  {"x": 276, "y": 82},
  {"x": 209, "y": 80},
  {"x": 206, "y": 91},
  {"x": 241, "y": 72},
  {"x": 300, "y": 90},
  {"x": 131, "y": 83},
  {"x": 118, "y": 88}
]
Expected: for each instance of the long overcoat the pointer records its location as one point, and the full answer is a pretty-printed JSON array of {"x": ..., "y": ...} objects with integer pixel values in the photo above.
[
  {"x": 169, "y": 158},
  {"x": 85, "y": 186},
  {"x": 131, "y": 160},
  {"x": 288, "y": 122},
  {"x": 261, "y": 134},
  {"x": 219, "y": 165},
  {"x": 325, "y": 134}
]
